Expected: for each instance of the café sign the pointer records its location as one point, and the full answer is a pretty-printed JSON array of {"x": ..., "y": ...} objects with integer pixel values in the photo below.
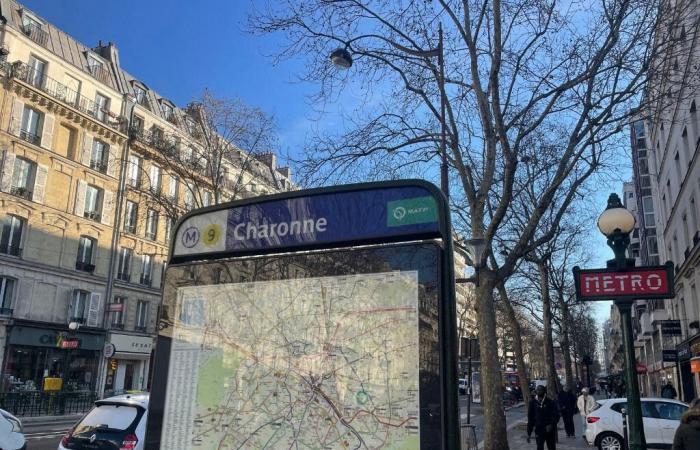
[{"x": 638, "y": 283}]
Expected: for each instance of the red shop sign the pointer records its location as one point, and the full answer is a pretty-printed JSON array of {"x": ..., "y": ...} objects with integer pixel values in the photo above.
[{"x": 638, "y": 283}]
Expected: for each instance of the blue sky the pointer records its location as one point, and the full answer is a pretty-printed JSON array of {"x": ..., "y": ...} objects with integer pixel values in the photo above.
[{"x": 179, "y": 48}]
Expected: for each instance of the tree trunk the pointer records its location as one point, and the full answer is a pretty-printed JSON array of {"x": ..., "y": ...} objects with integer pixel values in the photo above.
[
  {"x": 517, "y": 342},
  {"x": 565, "y": 342},
  {"x": 495, "y": 433},
  {"x": 552, "y": 379}
]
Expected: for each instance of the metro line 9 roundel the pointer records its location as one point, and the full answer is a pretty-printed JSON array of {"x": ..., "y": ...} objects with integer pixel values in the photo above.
[{"x": 650, "y": 282}]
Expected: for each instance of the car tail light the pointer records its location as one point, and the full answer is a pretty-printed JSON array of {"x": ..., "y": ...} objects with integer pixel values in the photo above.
[
  {"x": 592, "y": 419},
  {"x": 66, "y": 438},
  {"x": 129, "y": 443}
]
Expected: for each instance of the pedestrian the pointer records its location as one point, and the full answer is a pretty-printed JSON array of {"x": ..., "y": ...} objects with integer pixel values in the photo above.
[
  {"x": 687, "y": 435},
  {"x": 542, "y": 417},
  {"x": 567, "y": 408},
  {"x": 669, "y": 391},
  {"x": 586, "y": 404}
]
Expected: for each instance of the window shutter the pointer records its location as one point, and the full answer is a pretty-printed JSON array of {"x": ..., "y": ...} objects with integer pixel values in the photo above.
[
  {"x": 16, "y": 117},
  {"x": 157, "y": 273},
  {"x": 79, "y": 209},
  {"x": 42, "y": 172},
  {"x": 8, "y": 166},
  {"x": 137, "y": 264},
  {"x": 112, "y": 161},
  {"x": 87, "y": 149},
  {"x": 47, "y": 131},
  {"x": 93, "y": 314},
  {"x": 108, "y": 208}
]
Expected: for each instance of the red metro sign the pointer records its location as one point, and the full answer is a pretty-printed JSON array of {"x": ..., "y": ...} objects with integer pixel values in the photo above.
[{"x": 638, "y": 283}]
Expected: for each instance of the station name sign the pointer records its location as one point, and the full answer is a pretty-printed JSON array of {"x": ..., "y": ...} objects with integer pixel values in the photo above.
[{"x": 638, "y": 283}]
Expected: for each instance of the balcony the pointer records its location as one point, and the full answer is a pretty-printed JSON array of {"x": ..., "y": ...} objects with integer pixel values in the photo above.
[
  {"x": 145, "y": 279},
  {"x": 151, "y": 235},
  {"x": 36, "y": 34},
  {"x": 141, "y": 328},
  {"x": 12, "y": 250},
  {"x": 84, "y": 266},
  {"x": 92, "y": 215},
  {"x": 98, "y": 166},
  {"x": 124, "y": 276},
  {"x": 30, "y": 137},
  {"x": 6, "y": 312},
  {"x": 23, "y": 192},
  {"x": 65, "y": 95},
  {"x": 129, "y": 228},
  {"x": 157, "y": 140}
]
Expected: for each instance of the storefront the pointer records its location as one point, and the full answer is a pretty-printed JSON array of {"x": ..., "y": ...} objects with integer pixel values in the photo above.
[
  {"x": 127, "y": 363},
  {"x": 68, "y": 360},
  {"x": 687, "y": 351}
]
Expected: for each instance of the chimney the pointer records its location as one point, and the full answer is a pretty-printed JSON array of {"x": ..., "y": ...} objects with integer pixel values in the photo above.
[
  {"x": 285, "y": 172},
  {"x": 108, "y": 52},
  {"x": 268, "y": 158}
]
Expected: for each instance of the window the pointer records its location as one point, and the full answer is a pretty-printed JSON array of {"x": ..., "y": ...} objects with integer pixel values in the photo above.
[
  {"x": 155, "y": 176},
  {"x": 101, "y": 107},
  {"x": 36, "y": 71},
  {"x": 669, "y": 411},
  {"x": 648, "y": 207},
  {"x": 151, "y": 224},
  {"x": 28, "y": 20},
  {"x": 172, "y": 188},
  {"x": 141, "y": 315},
  {"x": 189, "y": 197},
  {"x": 207, "y": 198},
  {"x": 117, "y": 309},
  {"x": 146, "y": 269},
  {"x": 167, "y": 111},
  {"x": 191, "y": 125},
  {"x": 140, "y": 94},
  {"x": 23, "y": 178},
  {"x": 137, "y": 124},
  {"x": 30, "y": 129},
  {"x": 124, "y": 264},
  {"x": 78, "y": 306},
  {"x": 86, "y": 248},
  {"x": 11, "y": 235},
  {"x": 93, "y": 202},
  {"x": 130, "y": 217},
  {"x": 168, "y": 228},
  {"x": 7, "y": 291},
  {"x": 134, "y": 171},
  {"x": 99, "y": 156}
]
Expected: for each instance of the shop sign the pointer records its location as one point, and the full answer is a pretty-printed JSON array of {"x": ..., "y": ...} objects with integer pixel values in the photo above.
[
  {"x": 131, "y": 344},
  {"x": 671, "y": 328},
  {"x": 669, "y": 356},
  {"x": 695, "y": 347},
  {"x": 38, "y": 337},
  {"x": 68, "y": 343},
  {"x": 109, "y": 350},
  {"x": 695, "y": 365},
  {"x": 53, "y": 384},
  {"x": 683, "y": 351},
  {"x": 641, "y": 368}
]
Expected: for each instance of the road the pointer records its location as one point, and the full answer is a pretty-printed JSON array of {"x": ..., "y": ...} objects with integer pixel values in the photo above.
[{"x": 47, "y": 437}]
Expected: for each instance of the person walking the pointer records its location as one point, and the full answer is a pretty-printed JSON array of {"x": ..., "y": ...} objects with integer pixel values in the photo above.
[
  {"x": 669, "y": 391},
  {"x": 567, "y": 408},
  {"x": 687, "y": 435},
  {"x": 542, "y": 418},
  {"x": 586, "y": 404}
]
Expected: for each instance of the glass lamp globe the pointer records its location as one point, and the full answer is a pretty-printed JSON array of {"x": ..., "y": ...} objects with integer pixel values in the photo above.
[
  {"x": 616, "y": 220},
  {"x": 341, "y": 58}
]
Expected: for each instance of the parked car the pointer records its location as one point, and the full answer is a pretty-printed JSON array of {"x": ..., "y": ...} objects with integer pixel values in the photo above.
[
  {"x": 462, "y": 386},
  {"x": 660, "y": 416},
  {"x": 11, "y": 437},
  {"x": 115, "y": 422}
]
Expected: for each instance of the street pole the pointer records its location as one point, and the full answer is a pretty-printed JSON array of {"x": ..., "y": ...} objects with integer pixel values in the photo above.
[
  {"x": 469, "y": 384},
  {"x": 444, "y": 178}
]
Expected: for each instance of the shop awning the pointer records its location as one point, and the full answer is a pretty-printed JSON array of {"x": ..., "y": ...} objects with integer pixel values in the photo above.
[{"x": 129, "y": 355}]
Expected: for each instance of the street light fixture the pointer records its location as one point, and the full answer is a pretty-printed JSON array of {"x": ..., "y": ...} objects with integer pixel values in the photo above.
[
  {"x": 341, "y": 58},
  {"x": 616, "y": 223}
]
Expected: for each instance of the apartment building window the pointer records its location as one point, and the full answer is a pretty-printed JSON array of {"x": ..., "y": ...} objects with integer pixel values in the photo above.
[
  {"x": 137, "y": 124},
  {"x": 155, "y": 176},
  {"x": 158, "y": 135},
  {"x": 653, "y": 250},
  {"x": 131, "y": 217},
  {"x": 30, "y": 130},
  {"x": 189, "y": 197},
  {"x": 140, "y": 94},
  {"x": 168, "y": 229},
  {"x": 11, "y": 235},
  {"x": 191, "y": 126},
  {"x": 639, "y": 134},
  {"x": 172, "y": 188},
  {"x": 93, "y": 202},
  {"x": 99, "y": 156},
  {"x": 7, "y": 292},
  {"x": 86, "y": 250},
  {"x": 686, "y": 234},
  {"x": 677, "y": 165},
  {"x": 124, "y": 264},
  {"x": 207, "y": 198},
  {"x": 167, "y": 112},
  {"x": 117, "y": 309},
  {"x": 648, "y": 207},
  {"x": 694, "y": 216},
  {"x": 37, "y": 71},
  {"x": 134, "y": 171},
  {"x": 78, "y": 305},
  {"x": 23, "y": 175},
  {"x": 151, "y": 224},
  {"x": 101, "y": 107},
  {"x": 141, "y": 315},
  {"x": 146, "y": 269}
]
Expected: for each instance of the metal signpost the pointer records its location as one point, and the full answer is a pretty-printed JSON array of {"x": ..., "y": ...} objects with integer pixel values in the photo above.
[
  {"x": 623, "y": 283},
  {"x": 323, "y": 316}
]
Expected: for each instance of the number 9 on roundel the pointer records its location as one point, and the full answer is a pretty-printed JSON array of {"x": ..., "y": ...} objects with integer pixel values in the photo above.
[{"x": 211, "y": 235}]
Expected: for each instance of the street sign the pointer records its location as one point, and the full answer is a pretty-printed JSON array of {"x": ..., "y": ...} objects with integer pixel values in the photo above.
[
  {"x": 637, "y": 283},
  {"x": 669, "y": 356},
  {"x": 671, "y": 328}
]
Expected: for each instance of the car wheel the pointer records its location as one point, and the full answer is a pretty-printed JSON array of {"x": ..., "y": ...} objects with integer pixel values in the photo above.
[{"x": 609, "y": 441}]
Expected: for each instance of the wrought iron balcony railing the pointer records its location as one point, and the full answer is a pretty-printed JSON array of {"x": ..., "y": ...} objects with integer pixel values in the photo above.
[
  {"x": 84, "y": 266},
  {"x": 145, "y": 279},
  {"x": 12, "y": 250},
  {"x": 124, "y": 276},
  {"x": 30, "y": 137},
  {"x": 21, "y": 192},
  {"x": 98, "y": 166},
  {"x": 36, "y": 34},
  {"x": 92, "y": 215},
  {"x": 130, "y": 228}
]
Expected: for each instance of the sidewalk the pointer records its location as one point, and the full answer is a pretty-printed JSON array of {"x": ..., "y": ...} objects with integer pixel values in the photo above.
[{"x": 517, "y": 434}]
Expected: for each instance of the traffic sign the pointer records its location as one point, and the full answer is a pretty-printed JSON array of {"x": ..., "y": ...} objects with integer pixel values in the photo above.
[{"x": 637, "y": 283}]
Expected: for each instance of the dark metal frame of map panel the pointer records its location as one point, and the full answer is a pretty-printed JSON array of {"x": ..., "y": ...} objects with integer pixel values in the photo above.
[{"x": 447, "y": 315}]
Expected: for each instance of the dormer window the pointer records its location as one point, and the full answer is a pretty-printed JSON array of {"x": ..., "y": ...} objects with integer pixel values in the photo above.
[
  {"x": 167, "y": 112},
  {"x": 97, "y": 68},
  {"x": 34, "y": 28},
  {"x": 140, "y": 94}
]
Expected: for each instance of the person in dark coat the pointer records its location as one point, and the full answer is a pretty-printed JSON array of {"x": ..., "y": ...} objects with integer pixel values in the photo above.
[
  {"x": 669, "y": 391},
  {"x": 687, "y": 435},
  {"x": 542, "y": 417},
  {"x": 567, "y": 408}
]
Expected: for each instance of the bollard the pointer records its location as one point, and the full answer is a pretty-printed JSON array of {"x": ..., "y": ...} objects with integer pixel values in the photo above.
[{"x": 625, "y": 445}]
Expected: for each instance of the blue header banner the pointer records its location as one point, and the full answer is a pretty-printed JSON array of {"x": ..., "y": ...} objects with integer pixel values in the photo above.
[{"x": 319, "y": 217}]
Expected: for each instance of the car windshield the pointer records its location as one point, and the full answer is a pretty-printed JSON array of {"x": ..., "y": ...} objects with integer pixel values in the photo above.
[{"x": 114, "y": 417}]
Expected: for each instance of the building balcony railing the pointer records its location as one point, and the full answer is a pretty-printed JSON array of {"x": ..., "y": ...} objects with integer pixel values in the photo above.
[
  {"x": 151, "y": 235},
  {"x": 129, "y": 228},
  {"x": 6, "y": 312},
  {"x": 12, "y": 250},
  {"x": 23, "y": 192},
  {"x": 145, "y": 280},
  {"x": 30, "y": 137},
  {"x": 117, "y": 326},
  {"x": 155, "y": 139},
  {"x": 124, "y": 276},
  {"x": 66, "y": 95},
  {"x": 36, "y": 34},
  {"x": 141, "y": 328},
  {"x": 98, "y": 166},
  {"x": 84, "y": 266},
  {"x": 92, "y": 215},
  {"x": 99, "y": 72}
]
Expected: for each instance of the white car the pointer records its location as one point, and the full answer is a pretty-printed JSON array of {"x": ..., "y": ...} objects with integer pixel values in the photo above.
[
  {"x": 115, "y": 422},
  {"x": 11, "y": 437},
  {"x": 661, "y": 417},
  {"x": 462, "y": 386}
]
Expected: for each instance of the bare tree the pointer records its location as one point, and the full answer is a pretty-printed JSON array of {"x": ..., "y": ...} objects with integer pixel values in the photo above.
[{"x": 517, "y": 72}]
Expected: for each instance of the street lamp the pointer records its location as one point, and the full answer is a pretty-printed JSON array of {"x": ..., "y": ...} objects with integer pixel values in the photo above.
[
  {"x": 342, "y": 59},
  {"x": 616, "y": 223}
]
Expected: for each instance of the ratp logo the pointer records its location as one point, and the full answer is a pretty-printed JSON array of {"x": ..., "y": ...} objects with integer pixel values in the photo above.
[
  {"x": 399, "y": 212},
  {"x": 190, "y": 237}
]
